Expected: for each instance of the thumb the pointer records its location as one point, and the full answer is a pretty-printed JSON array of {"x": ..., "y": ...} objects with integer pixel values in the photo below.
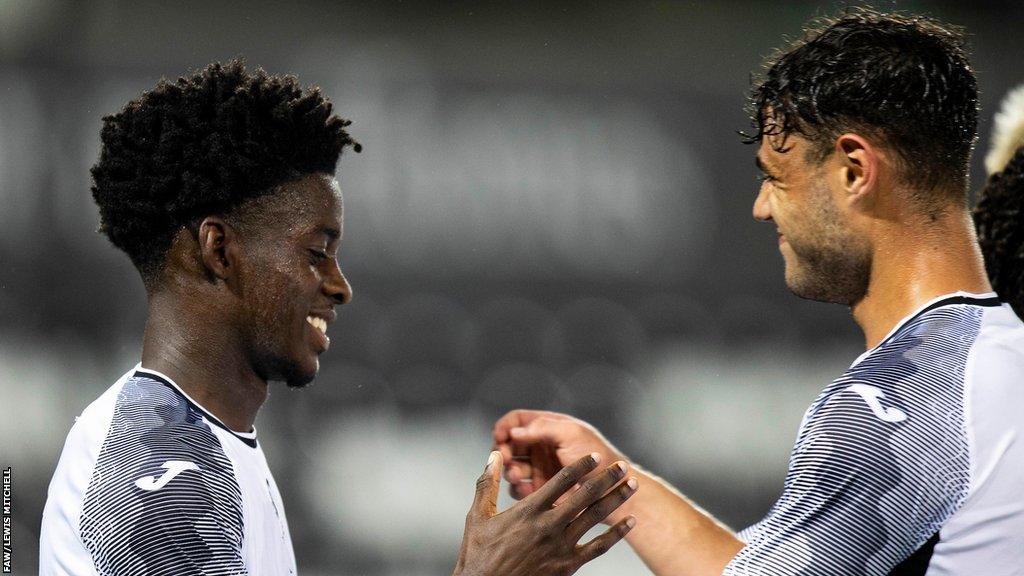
[{"x": 485, "y": 503}]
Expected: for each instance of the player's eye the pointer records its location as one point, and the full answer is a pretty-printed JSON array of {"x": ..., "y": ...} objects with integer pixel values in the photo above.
[{"x": 316, "y": 256}]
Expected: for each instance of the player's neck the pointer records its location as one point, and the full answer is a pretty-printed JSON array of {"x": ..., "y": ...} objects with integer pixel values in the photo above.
[
  {"x": 912, "y": 265},
  {"x": 202, "y": 359}
]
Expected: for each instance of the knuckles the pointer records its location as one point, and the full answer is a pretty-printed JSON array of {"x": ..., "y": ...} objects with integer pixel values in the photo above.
[
  {"x": 591, "y": 488},
  {"x": 527, "y": 508},
  {"x": 566, "y": 476},
  {"x": 602, "y": 546}
]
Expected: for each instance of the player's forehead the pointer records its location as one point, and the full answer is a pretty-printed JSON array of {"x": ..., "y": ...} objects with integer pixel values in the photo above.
[
  {"x": 765, "y": 157},
  {"x": 781, "y": 151},
  {"x": 318, "y": 192},
  {"x": 313, "y": 205}
]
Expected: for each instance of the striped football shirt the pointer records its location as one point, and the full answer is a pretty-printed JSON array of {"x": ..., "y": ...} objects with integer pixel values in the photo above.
[
  {"x": 150, "y": 483},
  {"x": 912, "y": 461}
]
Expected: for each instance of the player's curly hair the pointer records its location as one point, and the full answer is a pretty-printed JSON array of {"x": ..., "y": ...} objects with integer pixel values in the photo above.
[
  {"x": 205, "y": 144},
  {"x": 999, "y": 217},
  {"x": 903, "y": 79}
]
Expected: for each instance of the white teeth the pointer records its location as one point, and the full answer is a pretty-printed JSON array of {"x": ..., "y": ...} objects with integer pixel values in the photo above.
[{"x": 318, "y": 323}]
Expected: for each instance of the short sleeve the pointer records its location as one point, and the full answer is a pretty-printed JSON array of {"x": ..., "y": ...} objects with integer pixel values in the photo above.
[
  {"x": 162, "y": 499},
  {"x": 875, "y": 474}
]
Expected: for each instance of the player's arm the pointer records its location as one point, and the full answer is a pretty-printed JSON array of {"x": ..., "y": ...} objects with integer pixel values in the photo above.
[
  {"x": 673, "y": 535},
  {"x": 535, "y": 537}
]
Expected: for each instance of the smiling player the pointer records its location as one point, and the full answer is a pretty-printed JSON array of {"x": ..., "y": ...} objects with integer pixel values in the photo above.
[
  {"x": 220, "y": 189},
  {"x": 910, "y": 462}
]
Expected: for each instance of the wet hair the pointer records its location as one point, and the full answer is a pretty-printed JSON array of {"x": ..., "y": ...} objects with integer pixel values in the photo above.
[
  {"x": 999, "y": 217},
  {"x": 206, "y": 144},
  {"x": 904, "y": 80}
]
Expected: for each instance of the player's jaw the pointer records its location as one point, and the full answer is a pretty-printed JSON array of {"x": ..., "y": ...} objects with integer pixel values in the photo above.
[
  {"x": 825, "y": 260},
  {"x": 288, "y": 315},
  {"x": 282, "y": 345}
]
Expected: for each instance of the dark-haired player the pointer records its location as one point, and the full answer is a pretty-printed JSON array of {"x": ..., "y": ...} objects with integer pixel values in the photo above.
[
  {"x": 911, "y": 462},
  {"x": 220, "y": 189},
  {"x": 999, "y": 215}
]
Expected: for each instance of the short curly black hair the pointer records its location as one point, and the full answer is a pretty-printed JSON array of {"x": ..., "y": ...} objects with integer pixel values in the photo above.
[
  {"x": 904, "y": 79},
  {"x": 202, "y": 145},
  {"x": 999, "y": 218}
]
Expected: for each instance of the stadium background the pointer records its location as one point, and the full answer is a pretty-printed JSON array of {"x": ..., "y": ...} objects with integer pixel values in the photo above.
[{"x": 552, "y": 210}]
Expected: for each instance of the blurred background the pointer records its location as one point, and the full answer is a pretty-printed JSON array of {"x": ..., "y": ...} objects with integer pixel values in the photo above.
[{"x": 552, "y": 210}]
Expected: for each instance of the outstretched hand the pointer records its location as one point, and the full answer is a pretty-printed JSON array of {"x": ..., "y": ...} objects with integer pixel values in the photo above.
[
  {"x": 535, "y": 537},
  {"x": 536, "y": 444}
]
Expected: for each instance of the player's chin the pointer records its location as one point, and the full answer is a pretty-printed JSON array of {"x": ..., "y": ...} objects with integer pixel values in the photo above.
[
  {"x": 802, "y": 284},
  {"x": 799, "y": 283},
  {"x": 302, "y": 372}
]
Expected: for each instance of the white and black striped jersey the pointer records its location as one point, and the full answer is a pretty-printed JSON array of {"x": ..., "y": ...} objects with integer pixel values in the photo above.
[
  {"x": 150, "y": 483},
  {"x": 912, "y": 461}
]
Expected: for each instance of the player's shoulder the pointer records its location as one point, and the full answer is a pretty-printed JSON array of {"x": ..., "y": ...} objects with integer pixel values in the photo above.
[
  {"x": 1001, "y": 343},
  {"x": 154, "y": 428},
  {"x": 920, "y": 368},
  {"x": 939, "y": 337},
  {"x": 910, "y": 388},
  {"x": 146, "y": 400},
  {"x": 886, "y": 425},
  {"x": 906, "y": 399},
  {"x": 153, "y": 401},
  {"x": 91, "y": 426},
  {"x": 957, "y": 347},
  {"x": 994, "y": 387},
  {"x": 161, "y": 476}
]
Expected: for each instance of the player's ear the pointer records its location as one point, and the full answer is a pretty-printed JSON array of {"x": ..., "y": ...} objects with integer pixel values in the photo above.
[
  {"x": 218, "y": 248},
  {"x": 860, "y": 163}
]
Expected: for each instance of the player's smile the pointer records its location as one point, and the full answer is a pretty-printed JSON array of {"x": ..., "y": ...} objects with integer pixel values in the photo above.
[{"x": 318, "y": 329}]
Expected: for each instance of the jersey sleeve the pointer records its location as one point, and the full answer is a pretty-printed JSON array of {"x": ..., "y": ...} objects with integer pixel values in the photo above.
[
  {"x": 163, "y": 498},
  {"x": 873, "y": 477}
]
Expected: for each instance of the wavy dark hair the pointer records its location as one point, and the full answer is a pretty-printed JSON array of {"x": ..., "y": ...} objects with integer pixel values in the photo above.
[
  {"x": 999, "y": 218},
  {"x": 903, "y": 79},
  {"x": 205, "y": 144}
]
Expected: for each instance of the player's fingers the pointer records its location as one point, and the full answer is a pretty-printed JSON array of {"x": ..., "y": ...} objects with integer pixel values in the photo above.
[
  {"x": 587, "y": 552},
  {"x": 519, "y": 471},
  {"x": 506, "y": 451},
  {"x": 520, "y": 451},
  {"x": 519, "y": 419},
  {"x": 512, "y": 419},
  {"x": 565, "y": 479},
  {"x": 521, "y": 490},
  {"x": 549, "y": 430},
  {"x": 519, "y": 474},
  {"x": 600, "y": 510},
  {"x": 485, "y": 502},
  {"x": 592, "y": 490}
]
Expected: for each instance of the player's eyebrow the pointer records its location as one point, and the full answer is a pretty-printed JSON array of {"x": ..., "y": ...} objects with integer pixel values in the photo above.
[{"x": 330, "y": 232}]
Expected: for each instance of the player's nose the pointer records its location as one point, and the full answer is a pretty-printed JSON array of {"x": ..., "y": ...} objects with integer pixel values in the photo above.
[
  {"x": 762, "y": 208},
  {"x": 337, "y": 287}
]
